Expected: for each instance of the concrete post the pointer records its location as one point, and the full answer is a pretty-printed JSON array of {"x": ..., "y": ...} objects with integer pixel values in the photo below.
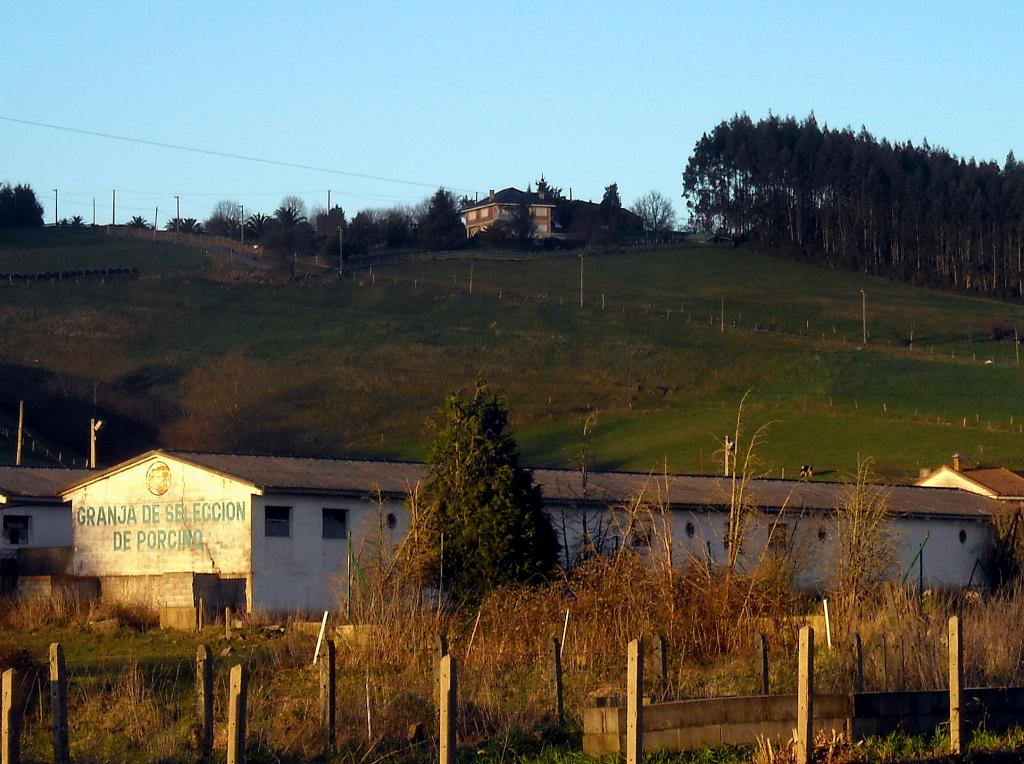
[
  {"x": 10, "y": 719},
  {"x": 659, "y": 662},
  {"x": 858, "y": 663},
  {"x": 805, "y": 698},
  {"x": 328, "y": 684},
  {"x": 200, "y": 613},
  {"x": 762, "y": 663},
  {"x": 635, "y": 702},
  {"x": 204, "y": 700},
  {"x": 555, "y": 674},
  {"x": 59, "y": 704},
  {"x": 447, "y": 695},
  {"x": 956, "y": 681},
  {"x": 237, "y": 697}
]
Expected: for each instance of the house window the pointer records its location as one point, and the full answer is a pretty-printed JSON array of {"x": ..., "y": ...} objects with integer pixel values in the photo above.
[
  {"x": 822, "y": 534},
  {"x": 335, "y": 523},
  {"x": 690, "y": 530},
  {"x": 963, "y": 537},
  {"x": 277, "y": 522},
  {"x": 16, "y": 529},
  {"x": 472, "y": 214},
  {"x": 392, "y": 521}
]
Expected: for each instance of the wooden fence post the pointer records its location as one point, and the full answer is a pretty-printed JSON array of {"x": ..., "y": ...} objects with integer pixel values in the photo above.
[
  {"x": 227, "y": 623},
  {"x": 659, "y": 660},
  {"x": 885, "y": 664},
  {"x": 858, "y": 663},
  {"x": 555, "y": 674},
  {"x": 805, "y": 698},
  {"x": 328, "y": 685},
  {"x": 762, "y": 660},
  {"x": 10, "y": 719},
  {"x": 956, "y": 692},
  {"x": 200, "y": 610},
  {"x": 58, "y": 704},
  {"x": 237, "y": 697},
  {"x": 204, "y": 700},
  {"x": 447, "y": 696},
  {"x": 635, "y": 702}
]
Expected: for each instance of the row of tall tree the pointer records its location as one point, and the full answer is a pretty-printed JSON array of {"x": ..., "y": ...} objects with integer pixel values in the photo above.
[
  {"x": 19, "y": 207},
  {"x": 848, "y": 199}
]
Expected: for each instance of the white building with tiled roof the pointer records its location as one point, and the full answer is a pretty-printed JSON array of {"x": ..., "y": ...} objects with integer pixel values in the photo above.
[{"x": 274, "y": 533}]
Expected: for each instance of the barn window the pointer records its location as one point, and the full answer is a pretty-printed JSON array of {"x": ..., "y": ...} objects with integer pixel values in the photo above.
[
  {"x": 822, "y": 534},
  {"x": 690, "y": 530},
  {"x": 16, "y": 529},
  {"x": 277, "y": 522},
  {"x": 779, "y": 538},
  {"x": 963, "y": 536},
  {"x": 335, "y": 523},
  {"x": 392, "y": 521},
  {"x": 640, "y": 538}
]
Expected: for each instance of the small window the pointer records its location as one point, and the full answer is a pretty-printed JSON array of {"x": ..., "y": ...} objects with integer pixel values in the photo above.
[
  {"x": 392, "y": 521},
  {"x": 335, "y": 523},
  {"x": 779, "y": 538},
  {"x": 640, "y": 538},
  {"x": 277, "y": 522},
  {"x": 690, "y": 530},
  {"x": 16, "y": 529},
  {"x": 822, "y": 534},
  {"x": 963, "y": 537}
]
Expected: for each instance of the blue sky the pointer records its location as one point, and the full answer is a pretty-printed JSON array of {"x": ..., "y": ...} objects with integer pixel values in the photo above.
[{"x": 472, "y": 95}]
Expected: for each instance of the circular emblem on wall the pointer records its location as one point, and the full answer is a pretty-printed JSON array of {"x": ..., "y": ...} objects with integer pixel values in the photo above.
[{"x": 158, "y": 478}]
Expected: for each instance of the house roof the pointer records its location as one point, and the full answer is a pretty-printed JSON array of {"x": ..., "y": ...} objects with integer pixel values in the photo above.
[
  {"x": 766, "y": 493},
  {"x": 290, "y": 474},
  {"x": 1000, "y": 480},
  {"x": 512, "y": 195},
  {"x": 35, "y": 483}
]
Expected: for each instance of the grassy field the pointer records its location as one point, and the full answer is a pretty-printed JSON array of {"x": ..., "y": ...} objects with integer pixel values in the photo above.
[{"x": 198, "y": 353}]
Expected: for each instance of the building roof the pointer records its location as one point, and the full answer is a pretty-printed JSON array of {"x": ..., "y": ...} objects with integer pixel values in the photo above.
[
  {"x": 290, "y": 474},
  {"x": 512, "y": 195},
  {"x": 35, "y": 483},
  {"x": 766, "y": 493},
  {"x": 1005, "y": 483}
]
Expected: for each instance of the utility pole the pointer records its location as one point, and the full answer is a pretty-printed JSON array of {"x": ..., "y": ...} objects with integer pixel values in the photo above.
[
  {"x": 55, "y": 207},
  {"x": 21, "y": 430},
  {"x": 113, "y": 207},
  {"x": 95, "y": 425},
  {"x": 156, "y": 214},
  {"x": 94, "y": 210},
  {"x": 328, "y": 201},
  {"x": 864, "y": 317},
  {"x": 242, "y": 214},
  {"x": 341, "y": 252},
  {"x": 177, "y": 218},
  {"x": 581, "y": 281}
]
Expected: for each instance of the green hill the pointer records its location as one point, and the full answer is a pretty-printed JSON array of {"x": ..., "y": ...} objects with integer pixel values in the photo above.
[{"x": 196, "y": 352}]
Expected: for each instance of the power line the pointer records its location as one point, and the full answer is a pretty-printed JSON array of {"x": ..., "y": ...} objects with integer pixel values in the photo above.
[{"x": 228, "y": 155}]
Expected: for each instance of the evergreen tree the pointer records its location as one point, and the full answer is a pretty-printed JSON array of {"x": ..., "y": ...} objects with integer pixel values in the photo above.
[
  {"x": 441, "y": 225},
  {"x": 482, "y": 500}
]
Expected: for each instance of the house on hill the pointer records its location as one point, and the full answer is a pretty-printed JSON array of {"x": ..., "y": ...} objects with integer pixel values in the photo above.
[
  {"x": 501, "y": 206},
  {"x": 272, "y": 533},
  {"x": 993, "y": 482}
]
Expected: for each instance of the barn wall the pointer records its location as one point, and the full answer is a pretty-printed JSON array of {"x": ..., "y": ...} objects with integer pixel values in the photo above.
[
  {"x": 51, "y": 525},
  {"x": 162, "y": 516},
  {"x": 305, "y": 571}
]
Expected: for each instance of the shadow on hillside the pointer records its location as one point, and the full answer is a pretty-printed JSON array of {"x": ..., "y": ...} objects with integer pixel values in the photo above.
[{"x": 58, "y": 408}]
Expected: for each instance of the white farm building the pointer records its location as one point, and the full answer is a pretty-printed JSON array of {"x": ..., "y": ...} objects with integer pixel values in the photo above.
[{"x": 274, "y": 533}]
